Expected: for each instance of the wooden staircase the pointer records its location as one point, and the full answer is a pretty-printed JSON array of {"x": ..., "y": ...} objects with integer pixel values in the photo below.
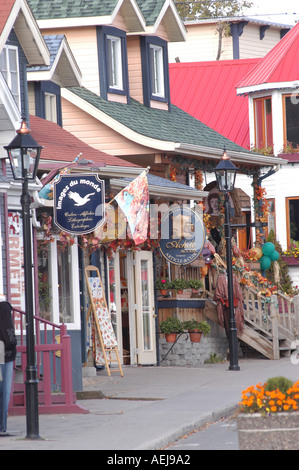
[{"x": 271, "y": 324}]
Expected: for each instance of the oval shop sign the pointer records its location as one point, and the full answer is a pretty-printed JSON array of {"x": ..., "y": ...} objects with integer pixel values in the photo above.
[
  {"x": 79, "y": 203},
  {"x": 182, "y": 235}
]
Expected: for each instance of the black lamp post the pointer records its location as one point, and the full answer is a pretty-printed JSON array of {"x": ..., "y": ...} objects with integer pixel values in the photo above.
[
  {"x": 24, "y": 153},
  {"x": 225, "y": 173}
]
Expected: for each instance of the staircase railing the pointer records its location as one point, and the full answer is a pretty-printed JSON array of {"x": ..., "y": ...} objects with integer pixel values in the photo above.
[
  {"x": 54, "y": 368},
  {"x": 271, "y": 323}
]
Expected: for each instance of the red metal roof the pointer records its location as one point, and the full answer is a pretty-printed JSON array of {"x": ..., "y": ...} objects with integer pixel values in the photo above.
[
  {"x": 279, "y": 65},
  {"x": 62, "y": 146},
  {"x": 207, "y": 91}
]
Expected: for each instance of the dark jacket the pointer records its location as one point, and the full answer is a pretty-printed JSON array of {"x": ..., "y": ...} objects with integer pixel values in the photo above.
[{"x": 7, "y": 332}]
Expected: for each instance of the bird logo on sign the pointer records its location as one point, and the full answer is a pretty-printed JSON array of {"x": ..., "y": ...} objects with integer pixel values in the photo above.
[{"x": 79, "y": 200}]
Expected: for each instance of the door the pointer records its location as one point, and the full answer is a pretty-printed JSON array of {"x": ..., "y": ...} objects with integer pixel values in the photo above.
[{"x": 145, "y": 309}]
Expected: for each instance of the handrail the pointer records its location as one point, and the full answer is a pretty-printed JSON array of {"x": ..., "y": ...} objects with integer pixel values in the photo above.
[
  {"x": 274, "y": 317},
  {"x": 54, "y": 368}
]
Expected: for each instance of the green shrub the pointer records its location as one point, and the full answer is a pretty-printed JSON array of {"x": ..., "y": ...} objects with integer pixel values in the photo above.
[{"x": 281, "y": 383}]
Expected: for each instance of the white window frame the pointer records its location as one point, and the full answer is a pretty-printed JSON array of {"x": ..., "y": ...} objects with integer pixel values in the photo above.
[
  {"x": 51, "y": 107},
  {"x": 115, "y": 72},
  {"x": 74, "y": 288},
  {"x": 8, "y": 73},
  {"x": 157, "y": 70}
]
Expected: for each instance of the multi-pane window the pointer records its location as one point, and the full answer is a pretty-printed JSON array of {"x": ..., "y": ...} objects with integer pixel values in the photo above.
[
  {"x": 9, "y": 66},
  {"x": 263, "y": 123}
]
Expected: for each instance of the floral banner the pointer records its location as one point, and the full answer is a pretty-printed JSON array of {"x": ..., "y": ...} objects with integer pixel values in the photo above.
[
  {"x": 104, "y": 320},
  {"x": 134, "y": 202}
]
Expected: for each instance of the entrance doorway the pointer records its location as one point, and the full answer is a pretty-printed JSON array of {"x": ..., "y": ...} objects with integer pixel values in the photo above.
[{"x": 132, "y": 307}]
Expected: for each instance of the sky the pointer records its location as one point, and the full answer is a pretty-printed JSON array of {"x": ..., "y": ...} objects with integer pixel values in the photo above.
[{"x": 280, "y": 11}]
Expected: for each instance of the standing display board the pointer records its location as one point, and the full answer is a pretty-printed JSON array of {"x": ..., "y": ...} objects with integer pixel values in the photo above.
[{"x": 105, "y": 341}]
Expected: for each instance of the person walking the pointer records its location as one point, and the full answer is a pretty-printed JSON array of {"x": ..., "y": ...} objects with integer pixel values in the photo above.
[{"x": 9, "y": 340}]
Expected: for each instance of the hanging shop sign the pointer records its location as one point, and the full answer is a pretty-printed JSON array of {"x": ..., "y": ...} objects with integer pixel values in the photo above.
[
  {"x": 182, "y": 235},
  {"x": 79, "y": 203}
]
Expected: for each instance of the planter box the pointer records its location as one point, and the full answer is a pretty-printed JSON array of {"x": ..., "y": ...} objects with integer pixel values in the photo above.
[
  {"x": 291, "y": 260},
  {"x": 279, "y": 431}
]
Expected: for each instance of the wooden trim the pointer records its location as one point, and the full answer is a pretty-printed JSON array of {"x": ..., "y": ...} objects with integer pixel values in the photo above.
[{"x": 291, "y": 198}]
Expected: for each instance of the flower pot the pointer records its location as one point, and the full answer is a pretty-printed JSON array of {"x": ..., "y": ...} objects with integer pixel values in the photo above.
[
  {"x": 170, "y": 337},
  {"x": 279, "y": 431},
  {"x": 195, "y": 336},
  {"x": 163, "y": 291}
]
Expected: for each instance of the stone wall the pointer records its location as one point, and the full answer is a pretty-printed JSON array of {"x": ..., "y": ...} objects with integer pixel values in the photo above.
[{"x": 185, "y": 353}]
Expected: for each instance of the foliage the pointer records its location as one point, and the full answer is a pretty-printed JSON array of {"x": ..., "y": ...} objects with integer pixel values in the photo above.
[
  {"x": 171, "y": 325},
  {"x": 292, "y": 251},
  {"x": 211, "y": 8},
  {"x": 179, "y": 284},
  {"x": 195, "y": 283},
  {"x": 202, "y": 326},
  {"x": 258, "y": 399},
  {"x": 163, "y": 283},
  {"x": 281, "y": 383},
  {"x": 213, "y": 359}
]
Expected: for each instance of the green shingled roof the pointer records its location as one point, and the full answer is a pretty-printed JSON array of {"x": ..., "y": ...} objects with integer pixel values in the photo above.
[
  {"x": 150, "y": 10},
  {"x": 174, "y": 126},
  {"x": 51, "y": 9}
]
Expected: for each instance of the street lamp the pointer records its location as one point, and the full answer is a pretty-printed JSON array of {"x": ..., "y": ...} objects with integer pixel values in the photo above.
[
  {"x": 24, "y": 153},
  {"x": 225, "y": 173}
]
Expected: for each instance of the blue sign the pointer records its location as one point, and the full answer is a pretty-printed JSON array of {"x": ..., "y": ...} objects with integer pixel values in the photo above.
[
  {"x": 79, "y": 203},
  {"x": 182, "y": 235}
]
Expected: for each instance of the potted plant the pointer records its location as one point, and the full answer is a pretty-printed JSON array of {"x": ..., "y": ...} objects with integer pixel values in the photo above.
[
  {"x": 171, "y": 327},
  {"x": 196, "y": 329},
  {"x": 163, "y": 285},
  {"x": 271, "y": 411},
  {"x": 195, "y": 284},
  {"x": 179, "y": 285}
]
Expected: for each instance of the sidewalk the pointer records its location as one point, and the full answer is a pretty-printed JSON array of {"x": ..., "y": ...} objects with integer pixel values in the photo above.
[{"x": 149, "y": 407}]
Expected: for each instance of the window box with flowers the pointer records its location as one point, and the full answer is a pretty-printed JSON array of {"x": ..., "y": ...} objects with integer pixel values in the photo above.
[
  {"x": 268, "y": 418},
  {"x": 291, "y": 255}
]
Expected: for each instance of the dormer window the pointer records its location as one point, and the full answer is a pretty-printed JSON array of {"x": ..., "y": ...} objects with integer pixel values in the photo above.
[
  {"x": 263, "y": 122},
  {"x": 113, "y": 62},
  {"x": 48, "y": 101},
  {"x": 157, "y": 70},
  {"x": 9, "y": 66},
  {"x": 155, "y": 75}
]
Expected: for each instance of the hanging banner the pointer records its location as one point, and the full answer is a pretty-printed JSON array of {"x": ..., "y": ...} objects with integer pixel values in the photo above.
[
  {"x": 182, "y": 235},
  {"x": 79, "y": 203}
]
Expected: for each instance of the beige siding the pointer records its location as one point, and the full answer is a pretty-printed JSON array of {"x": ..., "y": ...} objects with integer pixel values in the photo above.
[
  {"x": 201, "y": 45},
  {"x": 96, "y": 134},
  {"x": 134, "y": 66},
  {"x": 252, "y": 46},
  {"x": 31, "y": 99},
  {"x": 83, "y": 43}
]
